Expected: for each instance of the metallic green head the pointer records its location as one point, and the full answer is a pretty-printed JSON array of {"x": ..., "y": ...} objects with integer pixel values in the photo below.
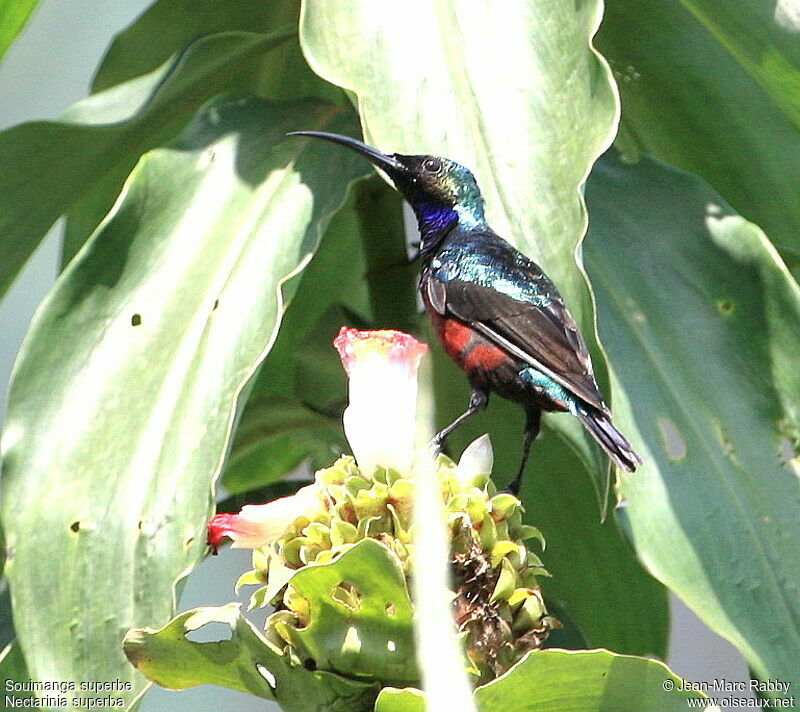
[{"x": 438, "y": 189}]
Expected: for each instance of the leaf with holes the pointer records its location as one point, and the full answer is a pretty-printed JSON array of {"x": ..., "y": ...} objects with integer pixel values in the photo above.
[
  {"x": 359, "y": 615},
  {"x": 530, "y": 135},
  {"x": 243, "y": 660},
  {"x": 125, "y": 391},
  {"x": 702, "y": 324}
]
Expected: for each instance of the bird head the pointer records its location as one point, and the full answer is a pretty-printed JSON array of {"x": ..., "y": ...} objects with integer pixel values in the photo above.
[{"x": 439, "y": 190}]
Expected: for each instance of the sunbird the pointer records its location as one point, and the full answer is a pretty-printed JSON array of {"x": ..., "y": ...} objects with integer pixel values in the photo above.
[{"x": 497, "y": 314}]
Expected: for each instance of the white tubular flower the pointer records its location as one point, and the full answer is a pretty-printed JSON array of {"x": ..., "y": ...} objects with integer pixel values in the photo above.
[
  {"x": 379, "y": 421},
  {"x": 260, "y": 524}
]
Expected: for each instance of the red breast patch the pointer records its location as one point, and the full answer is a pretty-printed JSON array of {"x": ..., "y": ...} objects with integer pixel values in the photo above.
[
  {"x": 485, "y": 357},
  {"x": 455, "y": 336}
]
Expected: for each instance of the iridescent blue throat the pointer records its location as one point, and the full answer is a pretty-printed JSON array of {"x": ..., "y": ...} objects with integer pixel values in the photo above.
[{"x": 435, "y": 219}]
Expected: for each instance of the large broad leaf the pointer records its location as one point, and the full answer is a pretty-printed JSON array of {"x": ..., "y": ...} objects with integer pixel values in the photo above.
[
  {"x": 50, "y": 165},
  {"x": 585, "y": 681},
  {"x": 686, "y": 100},
  {"x": 168, "y": 26},
  {"x": 433, "y": 77},
  {"x": 702, "y": 325},
  {"x": 303, "y": 372},
  {"x": 762, "y": 35},
  {"x": 568, "y": 681},
  {"x": 13, "y": 16},
  {"x": 244, "y": 660},
  {"x": 594, "y": 569},
  {"x": 303, "y": 375},
  {"x": 124, "y": 394}
]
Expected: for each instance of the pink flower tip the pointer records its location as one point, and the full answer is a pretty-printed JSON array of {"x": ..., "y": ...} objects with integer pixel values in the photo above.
[
  {"x": 397, "y": 347},
  {"x": 260, "y": 524},
  {"x": 220, "y": 527}
]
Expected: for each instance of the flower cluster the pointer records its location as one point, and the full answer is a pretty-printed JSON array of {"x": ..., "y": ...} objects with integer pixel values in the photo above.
[{"x": 497, "y": 601}]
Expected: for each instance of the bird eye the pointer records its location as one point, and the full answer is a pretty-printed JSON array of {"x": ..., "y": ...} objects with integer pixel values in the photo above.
[{"x": 431, "y": 165}]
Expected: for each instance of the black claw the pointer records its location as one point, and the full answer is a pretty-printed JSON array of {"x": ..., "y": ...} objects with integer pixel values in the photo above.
[
  {"x": 437, "y": 445},
  {"x": 513, "y": 488}
]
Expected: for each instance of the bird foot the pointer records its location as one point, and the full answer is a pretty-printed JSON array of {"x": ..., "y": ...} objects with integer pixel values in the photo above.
[
  {"x": 512, "y": 487},
  {"x": 436, "y": 445}
]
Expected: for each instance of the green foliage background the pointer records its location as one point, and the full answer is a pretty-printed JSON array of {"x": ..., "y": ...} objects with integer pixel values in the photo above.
[{"x": 187, "y": 338}]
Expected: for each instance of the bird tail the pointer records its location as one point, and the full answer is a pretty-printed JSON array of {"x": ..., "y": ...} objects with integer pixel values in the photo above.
[{"x": 610, "y": 439}]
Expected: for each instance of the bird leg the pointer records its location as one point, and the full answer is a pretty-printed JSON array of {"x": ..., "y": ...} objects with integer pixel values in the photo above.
[
  {"x": 533, "y": 420},
  {"x": 477, "y": 402}
]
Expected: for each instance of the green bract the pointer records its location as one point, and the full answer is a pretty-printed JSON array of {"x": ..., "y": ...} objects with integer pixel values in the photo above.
[{"x": 333, "y": 615}]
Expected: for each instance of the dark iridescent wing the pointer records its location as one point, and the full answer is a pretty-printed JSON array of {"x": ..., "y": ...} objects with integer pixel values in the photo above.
[{"x": 517, "y": 307}]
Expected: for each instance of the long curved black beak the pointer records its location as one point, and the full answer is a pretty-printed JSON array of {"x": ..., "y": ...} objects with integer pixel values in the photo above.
[{"x": 386, "y": 162}]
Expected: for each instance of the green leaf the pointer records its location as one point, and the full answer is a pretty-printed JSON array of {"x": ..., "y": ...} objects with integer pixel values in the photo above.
[
  {"x": 280, "y": 74},
  {"x": 274, "y": 437},
  {"x": 303, "y": 370},
  {"x": 408, "y": 699},
  {"x": 702, "y": 324},
  {"x": 168, "y": 26},
  {"x": 584, "y": 681},
  {"x": 568, "y": 681},
  {"x": 687, "y": 100},
  {"x": 13, "y": 16},
  {"x": 13, "y": 670},
  {"x": 762, "y": 35},
  {"x": 366, "y": 241},
  {"x": 48, "y": 166},
  {"x": 243, "y": 660},
  {"x": 593, "y": 566},
  {"x": 530, "y": 134},
  {"x": 125, "y": 391},
  {"x": 391, "y": 276},
  {"x": 6, "y": 618},
  {"x": 320, "y": 306},
  {"x": 350, "y": 630},
  {"x": 568, "y": 636}
]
